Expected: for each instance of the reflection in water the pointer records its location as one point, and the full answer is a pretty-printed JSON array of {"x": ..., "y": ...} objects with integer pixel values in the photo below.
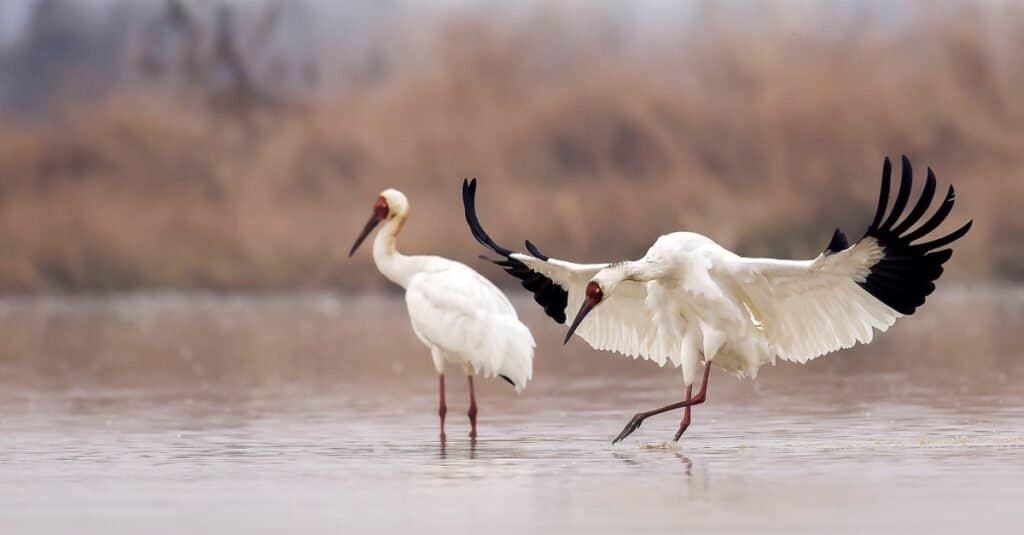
[
  {"x": 293, "y": 413},
  {"x": 637, "y": 458},
  {"x": 442, "y": 448},
  {"x": 687, "y": 465}
]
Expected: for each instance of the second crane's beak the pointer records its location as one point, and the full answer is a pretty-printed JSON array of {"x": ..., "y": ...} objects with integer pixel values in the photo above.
[
  {"x": 374, "y": 220},
  {"x": 588, "y": 305}
]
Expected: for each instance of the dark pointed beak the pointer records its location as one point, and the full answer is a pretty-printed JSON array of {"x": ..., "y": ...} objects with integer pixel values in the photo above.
[
  {"x": 366, "y": 232},
  {"x": 588, "y": 305}
]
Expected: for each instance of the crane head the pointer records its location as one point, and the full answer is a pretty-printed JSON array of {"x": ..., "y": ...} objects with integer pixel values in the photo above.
[
  {"x": 390, "y": 203},
  {"x": 599, "y": 289},
  {"x": 592, "y": 297}
]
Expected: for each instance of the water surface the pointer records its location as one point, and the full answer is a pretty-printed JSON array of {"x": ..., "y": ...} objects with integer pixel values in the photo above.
[{"x": 316, "y": 413}]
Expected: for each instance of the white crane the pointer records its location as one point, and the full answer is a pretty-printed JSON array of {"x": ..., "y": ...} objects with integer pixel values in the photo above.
[
  {"x": 458, "y": 314},
  {"x": 690, "y": 301}
]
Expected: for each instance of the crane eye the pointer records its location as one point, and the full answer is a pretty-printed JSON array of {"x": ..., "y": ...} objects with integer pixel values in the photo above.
[
  {"x": 380, "y": 208},
  {"x": 594, "y": 292}
]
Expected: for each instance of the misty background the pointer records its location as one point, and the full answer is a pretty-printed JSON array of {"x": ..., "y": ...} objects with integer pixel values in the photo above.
[
  {"x": 239, "y": 145},
  {"x": 184, "y": 342}
]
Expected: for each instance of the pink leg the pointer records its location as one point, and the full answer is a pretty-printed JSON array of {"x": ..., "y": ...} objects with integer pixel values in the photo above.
[
  {"x": 442, "y": 408},
  {"x": 639, "y": 417},
  {"x": 686, "y": 414},
  {"x": 472, "y": 409}
]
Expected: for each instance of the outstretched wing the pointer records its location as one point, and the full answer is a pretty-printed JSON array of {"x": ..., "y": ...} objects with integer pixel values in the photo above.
[
  {"x": 621, "y": 324},
  {"x": 810, "y": 308}
]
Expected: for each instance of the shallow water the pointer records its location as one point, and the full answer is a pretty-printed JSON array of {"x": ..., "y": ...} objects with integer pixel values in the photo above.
[{"x": 316, "y": 413}]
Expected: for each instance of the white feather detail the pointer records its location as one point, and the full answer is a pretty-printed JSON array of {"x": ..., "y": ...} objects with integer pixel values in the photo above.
[
  {"x": 809, "y": 308},
  {"x": 470, "y": 322}
]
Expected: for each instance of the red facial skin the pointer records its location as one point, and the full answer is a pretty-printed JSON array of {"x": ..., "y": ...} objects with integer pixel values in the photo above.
[
  {"x": 381, "y": 209},
  {"x": 380, "y": 213},
  {"x": 594, "y": 295}
]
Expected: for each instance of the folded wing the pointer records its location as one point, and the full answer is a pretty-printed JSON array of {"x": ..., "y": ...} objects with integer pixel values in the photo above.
[{"x": 462, "y": 313}]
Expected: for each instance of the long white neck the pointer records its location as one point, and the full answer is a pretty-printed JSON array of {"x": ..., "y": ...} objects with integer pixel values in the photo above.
[{"x": 397, "y": 267}]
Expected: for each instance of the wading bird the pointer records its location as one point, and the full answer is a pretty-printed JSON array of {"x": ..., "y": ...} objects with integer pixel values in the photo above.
[
  {"x": 691, "y": 301},
  {"x": 458, "y": 314}
]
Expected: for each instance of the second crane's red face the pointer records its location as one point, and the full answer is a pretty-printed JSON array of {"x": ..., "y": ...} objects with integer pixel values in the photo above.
[
  {"x": 381, "y": 210},
  {"x": 592, "y": 297}
]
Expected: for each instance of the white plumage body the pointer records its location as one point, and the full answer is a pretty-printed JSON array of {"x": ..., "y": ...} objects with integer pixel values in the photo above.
[
  {"x": 696, "y": 301},
  {"x": 458, "y": 314},
  {"x": 467, "y": 321}
]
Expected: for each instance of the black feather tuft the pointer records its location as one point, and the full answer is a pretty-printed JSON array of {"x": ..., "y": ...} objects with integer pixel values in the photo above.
[
  {"x": 507, "y": 380},
  {"x": 536, "y": 252},
  {"x": 838, "y": 243},
  {"x": 907, "y": 272},
  {"x": 883, "y": 196},
  {"x": 549, "y": 295}
]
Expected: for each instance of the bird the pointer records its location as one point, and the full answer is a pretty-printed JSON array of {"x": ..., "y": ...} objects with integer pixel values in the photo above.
[
  {"x": 692, "y": 302},
  {"x": 462, "y": 318}
]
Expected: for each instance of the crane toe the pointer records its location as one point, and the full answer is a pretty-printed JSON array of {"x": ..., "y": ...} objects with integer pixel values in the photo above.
[{"x": 631, "y": 426}]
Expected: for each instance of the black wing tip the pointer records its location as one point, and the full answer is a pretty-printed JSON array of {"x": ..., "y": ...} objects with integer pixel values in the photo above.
[
  {"x": 907, "y": 272},
  {"x": 902, "y": 194},
  {"x": 924, "y": 201},
  {"x": 536, "y": 252},
  {"x": 507, "y": 380},
  {"x": 469, "y": 207},
  {"x": 552, "y": 297},
  {"x": 883, "y": 194},
  {"x": 838, "y": 242}
]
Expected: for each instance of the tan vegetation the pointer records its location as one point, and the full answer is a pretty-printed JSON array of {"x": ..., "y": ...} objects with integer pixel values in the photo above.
[{"x": 761, "y": 136}]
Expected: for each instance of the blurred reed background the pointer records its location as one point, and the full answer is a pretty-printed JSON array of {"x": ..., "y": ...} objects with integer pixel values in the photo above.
[{"x": 240, "y": 145}]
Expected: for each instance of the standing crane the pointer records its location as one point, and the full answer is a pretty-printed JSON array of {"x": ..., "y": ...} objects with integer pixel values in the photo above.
[
  {"x": 690, "y": 301},
  {"x": 458, "y": 314}
]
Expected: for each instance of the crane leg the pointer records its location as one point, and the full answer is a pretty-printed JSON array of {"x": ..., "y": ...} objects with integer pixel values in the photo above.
[
  {"x": 639, "y": 417},
  {"x": 442, "y": 408},
  {"x": 686, "y": 414},
  {"x": 472, "y": 409}
]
